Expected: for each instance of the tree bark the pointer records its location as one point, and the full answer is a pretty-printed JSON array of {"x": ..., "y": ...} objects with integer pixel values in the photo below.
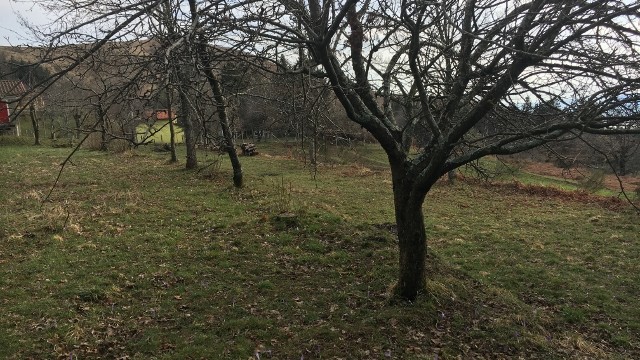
[
  {"x": 172, "y": 130},
  {"x": 76, "y": 117},
  {"x": 185, "y": 112},
  {"x": 221, "y": 104},
  {"x": 168, "y": 21},
  {"x": 36, "y": 126},
  {"x": 224, "y": 124},
  {"x": 103, "y": 129},
  {"x": 622, "y": 165},
  {"x": 411, "y": 236}
]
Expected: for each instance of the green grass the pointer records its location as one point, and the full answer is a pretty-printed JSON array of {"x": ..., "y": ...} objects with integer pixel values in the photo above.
[{"x": 132, "y": 256}]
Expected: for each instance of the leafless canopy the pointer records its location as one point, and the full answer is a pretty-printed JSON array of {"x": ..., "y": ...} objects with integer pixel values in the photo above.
[{"x": 428, "y": 73}]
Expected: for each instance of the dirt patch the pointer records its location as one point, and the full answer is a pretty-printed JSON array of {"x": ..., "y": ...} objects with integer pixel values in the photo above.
[{"x": 607, "y": 202}]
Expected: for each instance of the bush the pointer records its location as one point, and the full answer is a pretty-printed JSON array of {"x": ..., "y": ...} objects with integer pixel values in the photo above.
[
  {"x": 94, "y": 142},
  {"x": 15, "y": 140},
  {"x": 593, "y": 182},
  {"x": 119, "y": 145},
  {"x": 511, "y": 168},
  {"x": 62, "y": 142},
  {"x": 564, "y": 163}
]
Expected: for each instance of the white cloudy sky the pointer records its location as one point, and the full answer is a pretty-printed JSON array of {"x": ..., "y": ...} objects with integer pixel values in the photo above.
[{"x": 11, "y": 32}]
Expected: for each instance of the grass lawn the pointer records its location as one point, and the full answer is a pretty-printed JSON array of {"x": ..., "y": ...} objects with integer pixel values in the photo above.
[{"x": 135, "y": 258}]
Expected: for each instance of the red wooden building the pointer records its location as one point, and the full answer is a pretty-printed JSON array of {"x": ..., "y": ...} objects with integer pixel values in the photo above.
[
  {"x": 159, "y": 115},
  {"x": 10, "y": 90}
]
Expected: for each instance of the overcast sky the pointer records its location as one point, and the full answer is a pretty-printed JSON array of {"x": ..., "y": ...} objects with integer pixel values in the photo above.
[{"x": 11, "y": 32}]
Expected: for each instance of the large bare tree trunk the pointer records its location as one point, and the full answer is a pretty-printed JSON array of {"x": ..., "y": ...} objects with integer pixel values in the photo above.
[
  {"x": 185, "y": 112},
  {"x": 207, "y": 68},
  {"x": 222, "y": 115},
  {"x": 411, "y": 236},
  {"x": 172, "y": 130},
  {"x": 172, "y": 141},
  {"x": 224, "y": 124}
]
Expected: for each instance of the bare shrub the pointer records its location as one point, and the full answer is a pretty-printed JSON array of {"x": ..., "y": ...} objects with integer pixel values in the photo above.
[
  {"x": 593, "y": 182},
  {"x": 119, "y": 145},
  {"x": 93, "y": 141}
]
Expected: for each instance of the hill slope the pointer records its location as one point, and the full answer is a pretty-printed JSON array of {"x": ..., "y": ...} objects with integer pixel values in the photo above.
[{"x": 158, "y": 262}]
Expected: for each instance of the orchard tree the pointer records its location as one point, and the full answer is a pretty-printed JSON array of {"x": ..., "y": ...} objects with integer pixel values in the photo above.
[
  {"x": 623, "y": 149},
  {"x": 450, "y": 64},
  {"x": 90, "y": 27}
]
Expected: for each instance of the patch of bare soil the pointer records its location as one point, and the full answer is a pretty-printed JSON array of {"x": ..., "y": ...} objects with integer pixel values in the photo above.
[
  {"x": 607, "y": 202},
  {"x": 611, "y": 182}
]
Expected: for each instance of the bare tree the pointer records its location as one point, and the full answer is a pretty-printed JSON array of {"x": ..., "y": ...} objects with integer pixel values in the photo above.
[
  {"x": 168, "y": 58},
  {"x": 177, "y": 62},
  {"x": 623, "y": 149},
  {"x": 450, "y": 64}
]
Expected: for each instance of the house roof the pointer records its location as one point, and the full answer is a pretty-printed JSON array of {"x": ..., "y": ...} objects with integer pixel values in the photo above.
[
  {"x": 163, "y": 114},
  {"x": 12, "y": 88},
  {"x": 159, "y": 114}
]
